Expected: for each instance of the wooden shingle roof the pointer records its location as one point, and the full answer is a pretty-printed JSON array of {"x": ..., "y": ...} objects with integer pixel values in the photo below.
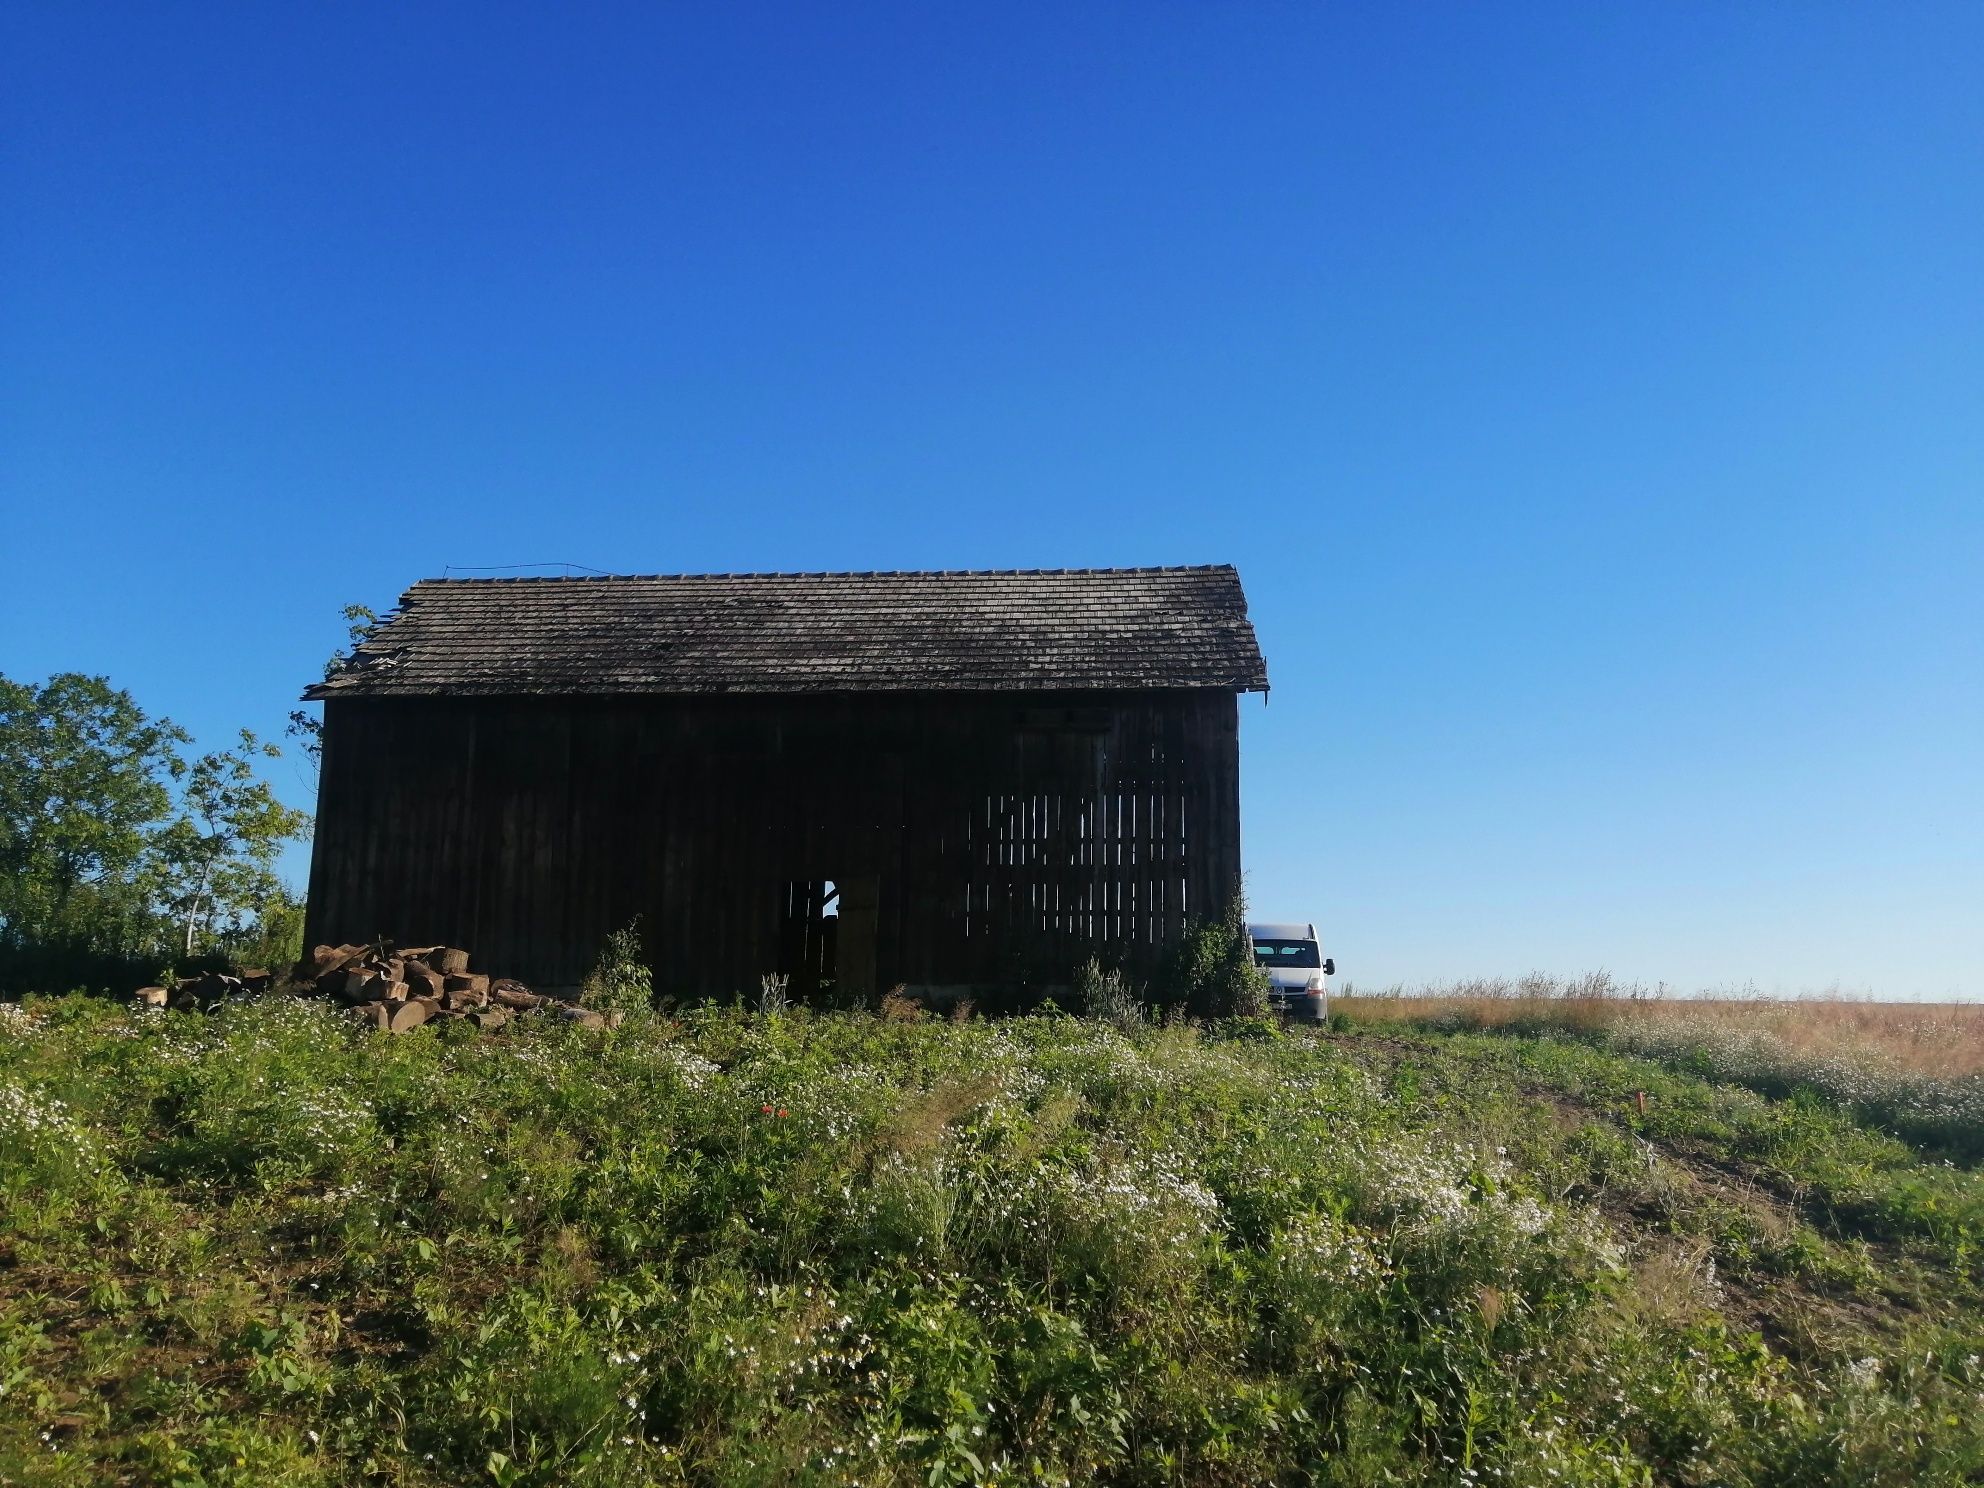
[{"x": 1014, "y": 630}]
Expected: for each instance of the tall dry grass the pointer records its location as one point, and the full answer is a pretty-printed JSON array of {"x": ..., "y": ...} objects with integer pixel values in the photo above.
[
  {"x": 1914, "y": 1067},
  {"x": 1937, "y": 1040}
]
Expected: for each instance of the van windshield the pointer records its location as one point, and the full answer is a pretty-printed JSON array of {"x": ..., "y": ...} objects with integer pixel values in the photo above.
[{"x": 1287, "y": 953}]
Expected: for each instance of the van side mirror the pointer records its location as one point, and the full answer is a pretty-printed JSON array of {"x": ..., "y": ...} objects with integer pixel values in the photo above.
[{"x": 1329, "y": 966}]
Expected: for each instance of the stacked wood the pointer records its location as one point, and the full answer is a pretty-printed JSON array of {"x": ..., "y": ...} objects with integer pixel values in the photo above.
[
  {"x": 391, "y": 988},
  {"x": 401, "y": 988}
]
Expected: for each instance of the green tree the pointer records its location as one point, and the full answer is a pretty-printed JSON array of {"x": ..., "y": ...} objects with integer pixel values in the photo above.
[
  {"x": 217, "y": 856},
  {"x": 85, "y": 782},
  {"x": 115, "y": 847},
  {"x": 308, "y": 729},
  {"x": 274, "y": 938}
]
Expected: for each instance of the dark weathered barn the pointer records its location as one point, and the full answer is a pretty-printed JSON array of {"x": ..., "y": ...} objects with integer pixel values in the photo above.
[{"x": 937, "y": 779}]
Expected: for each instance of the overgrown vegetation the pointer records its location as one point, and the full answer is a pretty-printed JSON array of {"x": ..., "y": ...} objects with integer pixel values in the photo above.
[
  {"x": 263, "y": 1247},
  {"x": 620, "y": 981},
  {"x": 1211, "y": 973},
  {"x": 1107, "y": 995}
]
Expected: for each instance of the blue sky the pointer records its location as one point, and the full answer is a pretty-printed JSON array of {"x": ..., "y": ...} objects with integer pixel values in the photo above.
[{"x": 1592, "y": 398}]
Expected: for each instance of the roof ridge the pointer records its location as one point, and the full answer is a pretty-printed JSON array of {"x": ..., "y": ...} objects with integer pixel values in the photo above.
[{"x": 847, "y": 573}]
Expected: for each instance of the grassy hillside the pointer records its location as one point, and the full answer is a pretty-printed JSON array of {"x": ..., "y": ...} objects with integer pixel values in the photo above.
[{"x": 263, "y": 1247}]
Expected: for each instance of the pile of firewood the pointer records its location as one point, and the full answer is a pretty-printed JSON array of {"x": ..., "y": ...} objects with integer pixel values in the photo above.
[{"x": 387, "y": 987}]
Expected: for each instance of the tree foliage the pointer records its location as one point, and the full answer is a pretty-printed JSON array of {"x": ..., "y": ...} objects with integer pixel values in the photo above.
[
  {"x": 114, "y": 843},
  {"x": 308, "y": 729},
  {"x": 217, "y": 856},
  {"x": 86, "y": 782}
]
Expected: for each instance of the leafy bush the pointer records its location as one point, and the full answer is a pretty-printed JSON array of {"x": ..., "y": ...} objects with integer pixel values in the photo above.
[
  {"x": 1211, "y": 971},
  {"x": 273, "y": 940},
  {"x": 620, "y": 981}
]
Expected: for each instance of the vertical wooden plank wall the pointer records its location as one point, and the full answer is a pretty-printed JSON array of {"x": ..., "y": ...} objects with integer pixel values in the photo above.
[{"x": 1008, "y": 835}]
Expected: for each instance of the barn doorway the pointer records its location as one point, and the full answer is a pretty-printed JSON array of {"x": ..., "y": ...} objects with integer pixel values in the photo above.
[
  {"x": 827, "y": 934},
  {"x": 809, "y": 925}
]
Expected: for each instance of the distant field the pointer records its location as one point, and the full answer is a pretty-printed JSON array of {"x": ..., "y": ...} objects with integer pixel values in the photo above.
[
  {"x": 1917, "y": 1068},
  {"x": 1939, "y": 1040},
  {"x": 1590, "y": 1245}
]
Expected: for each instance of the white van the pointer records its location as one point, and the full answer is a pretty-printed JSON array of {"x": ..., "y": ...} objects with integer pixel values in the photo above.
[{"x": 1293, "y": 958}]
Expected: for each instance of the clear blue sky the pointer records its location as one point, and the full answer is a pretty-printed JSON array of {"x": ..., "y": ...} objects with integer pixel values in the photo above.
[{"x": 1592, "y": 398}]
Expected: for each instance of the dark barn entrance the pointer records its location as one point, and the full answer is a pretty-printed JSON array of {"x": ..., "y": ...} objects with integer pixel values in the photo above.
[
  {"x": 809, "y": 936},
  {"x": 942, "y": 780}
]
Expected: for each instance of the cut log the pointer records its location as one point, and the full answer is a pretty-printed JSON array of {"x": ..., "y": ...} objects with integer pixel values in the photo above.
[
  {"x": 468, "y": 981},
  {"x": 371, "y": 1014},
  {"x": 490, "y": 1019},
  {"x": 514, "y": 996},
  {"x": 425, "y": 979},
  {"x": 325, "y": 958},
  {"x": 449, "y": 961},
  {"x": 404, "y": 1015},
  {"x": 152, "y": 996}
]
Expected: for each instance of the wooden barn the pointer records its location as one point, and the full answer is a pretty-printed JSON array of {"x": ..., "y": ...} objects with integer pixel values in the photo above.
[{"x": 945, "y": 780}]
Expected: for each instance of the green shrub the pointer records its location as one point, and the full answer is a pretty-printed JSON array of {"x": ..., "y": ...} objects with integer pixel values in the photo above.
[
  {"x": 1211, "y": 972},
  {"x": 620, "y": 981}
]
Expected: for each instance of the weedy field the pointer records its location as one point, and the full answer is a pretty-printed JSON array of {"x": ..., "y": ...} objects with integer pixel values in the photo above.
[
  {"x": 1915, "y": 1069},
  {"x": 265, "y": 1247}
]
